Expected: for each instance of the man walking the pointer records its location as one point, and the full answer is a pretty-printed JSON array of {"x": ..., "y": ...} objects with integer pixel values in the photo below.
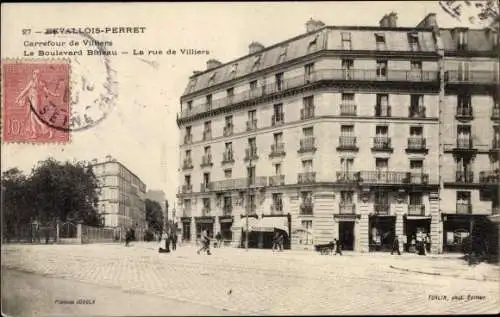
[
  {"x": 174, "y": 241},
  {"x": 275, "y": 241},
  {"x": 395, "y": 246},
  {"x": 338, "y": 247}
]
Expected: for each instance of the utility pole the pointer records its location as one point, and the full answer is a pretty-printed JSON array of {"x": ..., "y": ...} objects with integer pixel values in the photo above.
[{"x": 248, "y": 201}]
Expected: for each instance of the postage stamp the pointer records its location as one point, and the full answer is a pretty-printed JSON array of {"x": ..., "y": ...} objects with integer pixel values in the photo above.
[{"x": 36, "y": 101}]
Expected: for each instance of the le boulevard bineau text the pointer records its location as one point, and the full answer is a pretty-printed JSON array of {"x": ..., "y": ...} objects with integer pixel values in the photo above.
[{"x": 92, "y": 52}]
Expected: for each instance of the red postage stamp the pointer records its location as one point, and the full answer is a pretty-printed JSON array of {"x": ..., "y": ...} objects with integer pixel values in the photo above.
[{"x": 35, "y": 101}]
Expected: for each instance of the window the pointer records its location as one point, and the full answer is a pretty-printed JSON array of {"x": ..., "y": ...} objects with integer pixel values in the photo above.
[
  {"x": 252, "y": 143},
  {"x": 230, "y": 92},
  {"x": 229, "y": 121},
  {"x": 278, "y": 138},
  {"x": 348, "y": 99},
  {"x": 416, "y": 65},
  {"x": 347, "y": 64},
  {"x": 416, "y": 166},
  {"x": 207, "y": 126},
  {"x": 347, "y": 130},
  {"x": 413, "y": 41},
  {"x": 278, "y": 113},
  {"x": 307, "y": 236},
  {"x": 382, "y": 108},
  {"x": 251, "y": 174},
  {"x": 256, "y": 62},
  {"x": 415, "y": 199},
  {"x": 206, "y": 203},
  {"x": 207, "y": 150},
  {"x": 282, "y": 56},
  {"x": 416, "y": 131},
  {"x": 277, "y": 169},
  {"x": 234, "y": 69},
  {"x": 313, "y": 43},
  {"x": 253, "y": 85},
  {"x": 308, "y": 70},
  {"x": 192, "y": 84},
  {"x": 188, "y": 130},
  {"x": 206, "y": 178},
  {"x": 307, "y": 165},
  {"x": 417, "y": 106},
  {"x": 189, "y": 105},
  {"x": 381, "y": 69},
  {"x": 187, "y": 179},
  {"x": 251, "y": 202},
  {"x": 188, "y": 155},
  {"x": 346, "y": 197},
  {"x": 279, "y": 81},
  {"x": 464, "y": 101},
  {"x": 306, "y": 197},
  {"x": 380, "y": 41},
  {"x": 462, "y": 40},
  {"x": 278, "y": 201},
  {"x": 229, "y": 147},
  {"x": 463, "y": 131},
  {"x": 381, "y": 130},
  {"x": 209, "y": 101},
  {"x": 308, "y": 132},
  {"x": 463, "y": 198},
  {"x": 346, "y": 40},
  {"x": 463, "y": 71},
  {"x": 381, "y": 164},
  {"x": 228, "y": 173},
  {"x": 346, "y": 164},
  {"x": 252, "y": 115},
  {"x": 211, "y": 79}
]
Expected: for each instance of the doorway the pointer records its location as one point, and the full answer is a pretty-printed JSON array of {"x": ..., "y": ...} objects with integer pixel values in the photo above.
[{"x": 346, "y": 235}]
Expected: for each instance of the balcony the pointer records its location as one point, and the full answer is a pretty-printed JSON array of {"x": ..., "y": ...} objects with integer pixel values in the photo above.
[
  {"x": 307, "y": 113},
  {"x": 187, "y": 188},
  {"x": 327, "y": 74},
  {"x": 495, "y": 113},
  {"x": 307, "y": 145},
  {"x": 471, "y": 77},
  {"x": 416, "y": 210},
  {"x": 206, "y": 161},
  {"x": 186, "y": 212},
  {"x": 417, "y": 145},
  {"x": 347, "y": 177},
  {"x": 347, "y": 109},
  {"x": 416, "y": 112},
  {"x": 277, "y": 120},
  {"x": 306, "y": 178},
  {"x": 227, "y": 157},
  {"x": 347, "y": 208},
  {"x": 207, "y": 135},
  {"x": 382, "y": 112},
  {"x": 277, "y": 208},
  {"x": 252, "y": 125},
  {"x": 251, "y": 154},
  {"x": 347, "y": 143},
  {"x": 277, "y": 149},
  {"x": 464, "y": 177},
  {"x": 227, "y": 210},
  {"x": 205, "y": 211},
  {"x": 277, "y": 180},
  {"x": 495, "y": 145},
  {"x": 228, "y": 130},
  {"x": 382, "y": 144},
  {"x": 205, "y": 187},
  {"x": 187, "y": 164},
  {"x": 256, "y": 182},
  {"x": 306, "y": 208},
  {"x": 464, "y": 208},
  {"x": 393, "y": 178},
  {"x": 230, "y": 184},
  {"x": 188, "y": 139},
  {"x": 464, "y": 114},
  {"x": 382, "y": 208},
  {"x": 489, "y": 177}
]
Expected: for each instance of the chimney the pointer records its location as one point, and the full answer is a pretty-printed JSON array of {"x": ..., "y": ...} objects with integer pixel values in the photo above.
[
  {"x": 428, "y": 22},
  {"x": 212, "y": 63},
  {"x": 254, "y": 47},
  {"x": 393, "y": 19},
  {"x": 313, "y": 25},
  {"x": 384, "y": 22}
]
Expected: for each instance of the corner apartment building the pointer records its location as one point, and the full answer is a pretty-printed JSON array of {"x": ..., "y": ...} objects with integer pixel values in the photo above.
[
  {"x": 122, "y": 198},
  {"x": 331, "y": 134}
]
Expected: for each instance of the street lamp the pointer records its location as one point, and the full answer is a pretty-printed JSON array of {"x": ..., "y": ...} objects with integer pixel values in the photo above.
[{"x": 248, "y": 201}]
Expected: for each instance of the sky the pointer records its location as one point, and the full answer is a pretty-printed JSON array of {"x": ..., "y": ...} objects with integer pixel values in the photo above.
[{"x": 140, "y": 130}]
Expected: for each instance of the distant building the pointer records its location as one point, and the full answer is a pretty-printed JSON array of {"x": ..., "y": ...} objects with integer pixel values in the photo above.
[
  {"x": 159, "y": 197},
  {"x": 122, "y": 198}
]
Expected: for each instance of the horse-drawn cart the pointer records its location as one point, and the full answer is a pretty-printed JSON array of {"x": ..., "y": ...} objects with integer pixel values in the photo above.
[{"x": 325, "y": 249}]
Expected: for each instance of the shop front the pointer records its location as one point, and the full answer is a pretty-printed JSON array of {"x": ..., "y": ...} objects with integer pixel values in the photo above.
[
  {"x": 186, "y": 228},
  {"x": 346, "y": 229},
  {"x": 204, "y": 223},
  {"x": 457, "y": 231},
  {"x": 247, "y": 230},
  {"x": 226, "y": 222},
  {"x": 381, "y": 232},
  {"x": 416, "y": 228},
  {"x": 267, "y": 227}
]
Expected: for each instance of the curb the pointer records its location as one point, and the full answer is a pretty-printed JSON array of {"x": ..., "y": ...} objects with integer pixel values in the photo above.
[{"x": 483, "y": 279}]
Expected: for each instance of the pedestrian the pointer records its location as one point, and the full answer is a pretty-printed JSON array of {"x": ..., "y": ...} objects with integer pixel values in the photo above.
[
  {"x": 174, "y": 241},
  {"x": 281, "y": 240},
  {"x": 395, "y": 246},
  {"x": 164, "y": 237},
  {"x": 218, "y": 237},
  {"x": 275, "y": 241},
  {"x": 128, "y": 237},
  {"x": 338, "y": 247},
  {"x": 428, "y": 242},
  {"x": 205, "y": 242}
]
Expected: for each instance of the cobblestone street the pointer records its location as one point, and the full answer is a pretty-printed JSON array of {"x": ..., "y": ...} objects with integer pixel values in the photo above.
[{"x": 260, "y": 282}]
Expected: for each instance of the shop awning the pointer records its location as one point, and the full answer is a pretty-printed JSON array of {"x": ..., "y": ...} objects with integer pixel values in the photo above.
[
  {"x": 251, "y": 223},
  {"x": 268, "y": 224}
]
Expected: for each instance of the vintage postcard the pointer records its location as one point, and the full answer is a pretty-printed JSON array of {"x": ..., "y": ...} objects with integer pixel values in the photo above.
[{"x": 250, "y": 158}]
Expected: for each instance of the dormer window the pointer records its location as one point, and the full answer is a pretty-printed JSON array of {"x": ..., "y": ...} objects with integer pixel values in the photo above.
[
  {"x": 462, "y": 40},
  {"x": 233, "y": 70},
  {"x": 346, "y": 40},
  {"x": 192, "y": 84},
  {"x": 413, "y": 41},
  {"x": 282, "y": 56},
  {"x": 256, "y": 62},
  {"x": 211, "y": 79},
  {"x": 380, "y": 41},
  {"x": 313, "y": 43}
]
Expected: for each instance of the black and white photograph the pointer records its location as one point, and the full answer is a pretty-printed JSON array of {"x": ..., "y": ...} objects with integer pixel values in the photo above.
[{"x": 250, "y": 158}]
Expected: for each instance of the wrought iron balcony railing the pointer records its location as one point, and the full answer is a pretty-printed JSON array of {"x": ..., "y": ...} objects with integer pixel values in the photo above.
[
  {"x": 416, "y": 112},
  {"x": 394, "y": 178},
  {"x": 475, "y": 77},
  {"x": 228, "y": 130},
  {"x": 306, "y": 208},
  {"x": 306, "y": 113},
  {"x": 348, "y": 109},
  {"x": 347, "y": 143},
  {"x": 187, "y": 164},
  {"x": 187, "y": 188},
  {"x": 464, "y": 144},
  {"x": 382, "y": 208},
  {"x": 230, "y": 184},
  {"x": 278, "y": 119},
  {"x": 252, "y": 125},
  {"x": 259, "y": 181},
  {"x": 416, "y": 143},
  {"x": 366, "y": 75},
  {"x": 416, "y": 210},
  {"x": 306, "y": 178},
  {"x": 307, "y": 145},
  {"x": 276, "y": 180},
  {"x": 347, "y": 177},
  {"x": 464, "y": 208},
  {"x": 382, "y": 112},
  {"x": 489, "y": 177},
  {"x": 464, "y": 113},
  {"x": 277, "y": 149},
  {"x": 206, "y": 160},
  {"x": 227, "y": 157},
  {"x": 207, "y": 135},
  {"x": 382, "y": 143},
  {"x": 251, "y": 154},
  {"x": 466, "y": 177},
  {"x": 347, "y": 208}
]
